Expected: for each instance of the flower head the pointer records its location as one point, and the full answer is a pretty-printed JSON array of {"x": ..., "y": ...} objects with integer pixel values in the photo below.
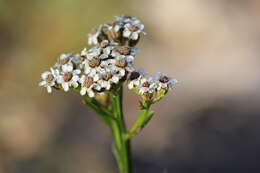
[
  {"x": 132, "y": 27},
  {"x": 164, "y": 82},
  {"x": 49, "y": 78},
  {"x": 109, "y": 63},
  {"x": 97, "y": 35}
]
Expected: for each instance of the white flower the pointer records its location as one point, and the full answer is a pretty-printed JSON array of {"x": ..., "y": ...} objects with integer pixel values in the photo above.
[
  {"x": 132, "y": 27},
  {"x": 164, "y": 81},
  {"x": 49, "y": 79},
  {"x": 146, "y": 85},
  {"x": 91, "y": 53},
  {"x": 93, "y": 37},
  {"x": 68, "y": 78},
  {"x": 116, "y": 26},
  {"x": 135, "y": 78},
  {"x": 132, "y": 31},
  {"x": 109, "y": 76},
  {"x": 77, "y": 60},
  {"x": 87, "y": 85},
  {"x": 92, "y": 66},
  {"x": 69, "y": 60}
]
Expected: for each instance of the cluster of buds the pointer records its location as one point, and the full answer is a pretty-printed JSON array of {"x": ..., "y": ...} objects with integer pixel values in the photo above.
[{"x": 108, "y": 64}]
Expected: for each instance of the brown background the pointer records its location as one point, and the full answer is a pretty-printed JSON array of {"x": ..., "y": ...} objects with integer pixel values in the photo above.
[{"x": 210, "y": 123}]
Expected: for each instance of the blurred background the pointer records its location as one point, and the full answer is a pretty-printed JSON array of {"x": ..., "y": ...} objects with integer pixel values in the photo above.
[{"x": 209, "y": 124}]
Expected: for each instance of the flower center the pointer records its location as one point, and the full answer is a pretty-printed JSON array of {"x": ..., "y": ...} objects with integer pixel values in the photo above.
[
  {"x": 134, "y": 75},
  {"x": 145, "y": 84},
  {"x": 67, "y": 77},
  {"x": 124, "y": 50},
  {"x": 133, "y": 28},
  {"x": 164, "y": 79},
  {"x": 49, "y": 78},
  {"x": 107, "y": 76},
  {"x": 88, "y": 82},
  {"x": 121, "y": 63},
  {"x": 94, "y": 62}
]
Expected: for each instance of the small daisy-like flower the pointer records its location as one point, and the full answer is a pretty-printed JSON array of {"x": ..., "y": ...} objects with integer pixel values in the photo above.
[
  {"x": 147, "y": 85},
  {"x": 49, "y": 79},
  {"x": 64, "y": 58},
  {"x": 132, "y": 27},
  {"x": 88, "y": 85},
  {"x": 97, "y": 35},
  {"x": 125, "y": 52},
  {"x": 91, "y": 53},
  {"x": 124, "y": 58},
  {"x": 102, "y": 51},
  {"x": 77, "y": 60},
  {"x": 69, "y": 60},
  {"x": 135, "y": 78},
  {"x": 106, "y": 49},
  {"x": 68, "y": 77},
  {"x": 114, "y": 30},
  {"x": 164, "y": 81},
  {"x": 110, "y": 76},
  {"x": 133, "y": 31}
]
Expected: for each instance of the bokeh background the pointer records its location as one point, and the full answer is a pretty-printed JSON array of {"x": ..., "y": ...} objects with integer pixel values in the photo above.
[{"x": 209, "y": 124}]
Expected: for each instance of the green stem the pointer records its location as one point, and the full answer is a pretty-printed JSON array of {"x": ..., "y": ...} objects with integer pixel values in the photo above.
[
  {"x": 121, "y": 147},
  {"x": 144, "y": 117}
]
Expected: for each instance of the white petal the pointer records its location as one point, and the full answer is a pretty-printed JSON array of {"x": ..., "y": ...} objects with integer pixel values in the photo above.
[
  {"x": 60, "y": 79},
  {"x": 134, "y": 36},
  {"x": 128, "y": 25},
  {"x": 83, "y": 91},
  {"x": 87, "y": 70},
  {"x": 97, "y": 87},
  {"x": 117, "y": 28},
  {"x": 42, "y": 83},
  {"x": 108, "y": 86},
  {"x": 49, "y": 89},
  {"x": 107, "y": 50},
  {"x": 77, "y": 71},
  {"x": 96, "y": 77},
  {"x": 130, "y": 58},
  {"x": 131, "y": 85},
  {"x": 122, "y": 72},
  {"x": 67, "y": 68},
  {"x": 141, "y": 27},
  {"x": 126, "y": 33},
  {"x": 91, "y": 93},
  {"x": 84, "y": 52},
  {"x": 75, "y": 84},
  {"x": 115, "y": 79},
  {"x": 65, "y": 86},
  {"x": 103, "y": 56},
  {"x": 82, "y": 79},
  {"x": 45, "y": 74},
  {"x": 75, "y": 78}
]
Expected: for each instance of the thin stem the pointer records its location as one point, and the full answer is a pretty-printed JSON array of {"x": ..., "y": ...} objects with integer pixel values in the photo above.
[
  {"x": 122, "y": 146},
  {"x": 144, "y": 117}
]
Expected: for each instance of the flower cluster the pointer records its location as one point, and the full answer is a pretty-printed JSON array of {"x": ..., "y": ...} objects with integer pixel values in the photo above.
[
  {"x": 123, "y": 29},
  {"x": 150, "y": 87},
  {"x": 109, "y": 63}
]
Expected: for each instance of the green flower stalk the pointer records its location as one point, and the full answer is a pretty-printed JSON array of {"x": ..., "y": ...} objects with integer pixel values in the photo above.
[{"x": 99, "y": 73}]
